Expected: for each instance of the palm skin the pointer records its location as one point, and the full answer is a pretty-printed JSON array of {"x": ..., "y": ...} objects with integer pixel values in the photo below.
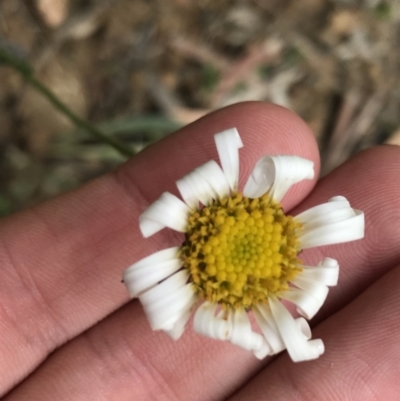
[{"x": 68, "y": 332}]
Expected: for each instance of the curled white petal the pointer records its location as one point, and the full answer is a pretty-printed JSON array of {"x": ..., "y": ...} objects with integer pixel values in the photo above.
[
  {"x": 177, "y": 329},
  {"x": 299, "y": 347},
  {"x": 165, "y": 288},
  {"x": 166, "y": 211},
  {"x": 309, "y": 296},
  {"x": 306, "y": 304},
  {"x": 228, "y": 143},
  {"x": 276, "y": 174},
  {"x": 330, "y": 223},
  {"x": 203, "y": 184},
  {"x": 263, "y": 351},
  {"x": 303, "y": 325},
  {"x": 244, "y": 337},
  {"x": 333, "y": 204},
  {"x": 177, "y": 311},
  {"x": 329, "y": 218},
  {"x": 348, "y": 229},
  {"x": 327, "y": 272},
  {"x": 232, "y": 326},
  {"x": 269, "y": 328},
  {"x": 147, "y": 272},
  {"x": 208, "y": 324},
  {"x": 312, "y": 287},
  {"x": 335, "y": 210},
  {"x": 261, "y": 178},
  {"x": 165, "y": 303}
]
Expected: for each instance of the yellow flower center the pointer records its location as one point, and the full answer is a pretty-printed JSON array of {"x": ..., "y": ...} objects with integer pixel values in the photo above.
[{"x": 239, "y": 250}]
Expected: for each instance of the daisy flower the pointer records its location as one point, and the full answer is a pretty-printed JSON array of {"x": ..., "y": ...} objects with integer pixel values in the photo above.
[{"x": 239, "y": 261}]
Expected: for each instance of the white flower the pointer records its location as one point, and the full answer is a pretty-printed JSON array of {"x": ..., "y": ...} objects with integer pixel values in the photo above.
[{"x": 239, "y": 258}]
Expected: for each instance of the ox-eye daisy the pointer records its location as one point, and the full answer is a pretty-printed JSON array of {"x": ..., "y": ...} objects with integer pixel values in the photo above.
[{"x": 239, "y": 260}]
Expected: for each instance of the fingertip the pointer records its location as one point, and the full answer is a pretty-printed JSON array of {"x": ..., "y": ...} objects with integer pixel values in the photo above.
[{"x": 265, "y": 128}]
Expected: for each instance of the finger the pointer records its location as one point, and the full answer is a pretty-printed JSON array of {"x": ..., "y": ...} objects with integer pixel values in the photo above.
[
  {"x": 361, "y": 360},
  {"x": 209, "y": 368},
  {"x": 62, "y": 261},
  {"x": 121, "y": 359}
]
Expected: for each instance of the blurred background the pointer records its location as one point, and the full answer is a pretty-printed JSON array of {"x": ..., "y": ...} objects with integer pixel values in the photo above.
[{"x": 139, "y": 69}]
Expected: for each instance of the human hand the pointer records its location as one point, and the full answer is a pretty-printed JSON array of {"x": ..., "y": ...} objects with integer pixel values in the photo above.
[{"x": 61, "y": 264}]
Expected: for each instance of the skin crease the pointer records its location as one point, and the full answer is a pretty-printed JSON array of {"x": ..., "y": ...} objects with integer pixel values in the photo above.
[{"x": 62, "y": 262}]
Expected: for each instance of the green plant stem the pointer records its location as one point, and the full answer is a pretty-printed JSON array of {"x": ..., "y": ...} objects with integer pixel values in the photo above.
[
  {"x": 80, "y": 122},
  {"x": 26, "y": 71}
]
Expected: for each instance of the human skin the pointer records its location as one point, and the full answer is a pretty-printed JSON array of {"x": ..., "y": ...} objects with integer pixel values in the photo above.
[{"x": 69, "y": 332}]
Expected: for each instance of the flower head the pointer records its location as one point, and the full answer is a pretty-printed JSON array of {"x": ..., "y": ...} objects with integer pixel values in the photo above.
[{"x": 239, "y": 260}]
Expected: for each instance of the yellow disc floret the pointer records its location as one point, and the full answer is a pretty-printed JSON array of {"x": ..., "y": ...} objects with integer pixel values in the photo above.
[{"x": 239, "y": 250}]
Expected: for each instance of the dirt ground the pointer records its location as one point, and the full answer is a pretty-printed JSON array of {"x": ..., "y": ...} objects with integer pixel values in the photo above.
[{"x": 141, "y": 68}]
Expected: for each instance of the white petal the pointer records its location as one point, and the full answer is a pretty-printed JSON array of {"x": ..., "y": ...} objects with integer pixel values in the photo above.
[
  {"x": 149, "y": 271},
  {"x": 194, "y": 189},
  {"x": 346, "y": 230},
  {"x": 309, "y": 296},
  {"x": 269, "y": 328},
  {"x": 228, "y": 143},
  {"x": 203, "y": 184},
  {"x": 335, "y": 203},
  {"x": 297, "y": 344},
  {"x": 179, "y": 326},
  {"x": 244, "y": 337},
  {"x": 166, "y": 211},
  {"x": 276, "y": 174},
  {"x": 330, "y": 223},
  {"x": 327, "y": 272},
  {"x": 233, "y": 326},
  {"x": 209, "y": 325},
  {"x": 336, "y": 210},
  {"x": 177, "y": 310},
  {"x": 328, "y": 218},
  {"x": 165, "y": 303},
  {"x": 312, "y": 287},
  {"x": 212, "y": 172},
  {"x": 261, "y": 178},
  {"x": 263, "y": 351},
  {"x": 307, "y": 305},
  {"x": 166, "y": 288},
  {"x": 303, "y": 325},
  {"x": 156, "y": 257}
]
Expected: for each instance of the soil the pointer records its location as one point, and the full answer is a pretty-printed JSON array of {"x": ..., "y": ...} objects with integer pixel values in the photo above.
[{"x": 141, "y": 68}]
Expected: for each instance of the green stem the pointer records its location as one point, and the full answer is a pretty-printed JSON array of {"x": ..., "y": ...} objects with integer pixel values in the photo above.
[
  {"x": 80, "y": 122},
  {"x": 27, "y": 73}
]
